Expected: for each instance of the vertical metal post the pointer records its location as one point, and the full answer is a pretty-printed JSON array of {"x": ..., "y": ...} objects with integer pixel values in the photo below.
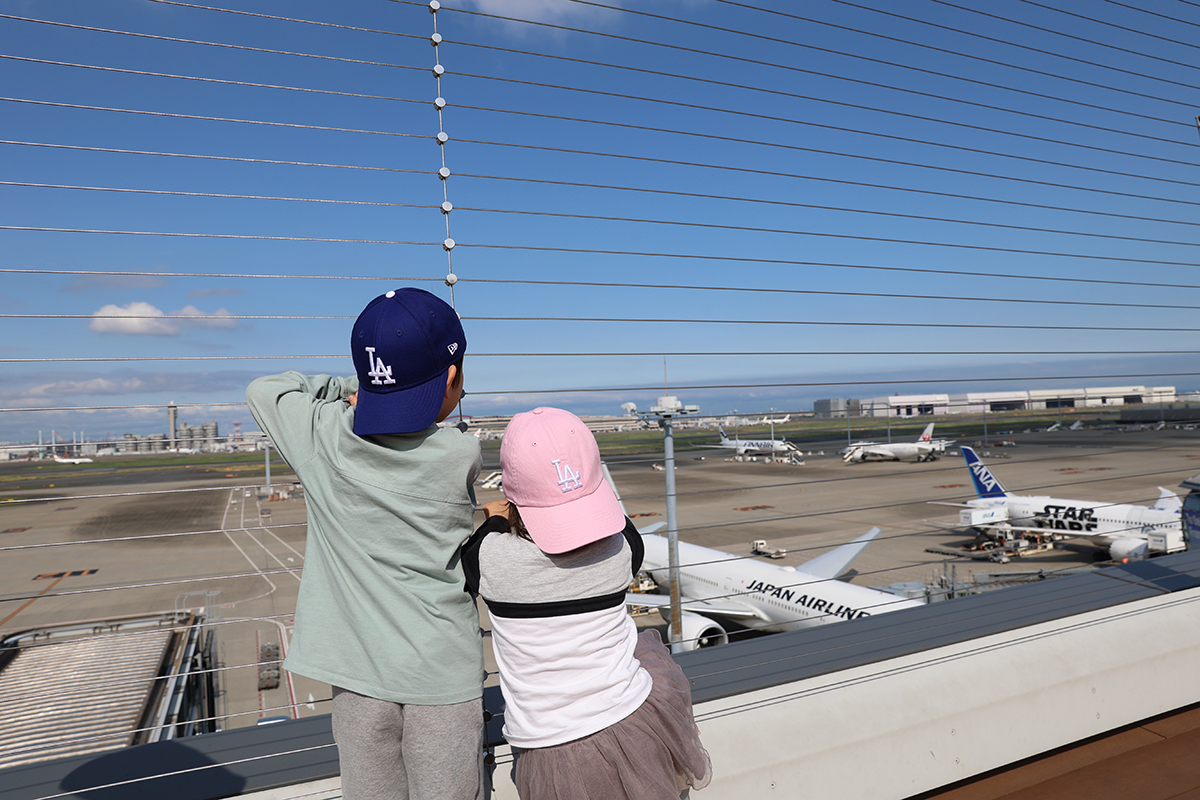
[
  {"x": 267, "y": 450},
  {"x": 672, "y": 536}
]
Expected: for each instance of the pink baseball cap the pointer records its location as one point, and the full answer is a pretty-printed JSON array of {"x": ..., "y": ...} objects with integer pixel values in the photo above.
[{"x": 552, "y": 472}]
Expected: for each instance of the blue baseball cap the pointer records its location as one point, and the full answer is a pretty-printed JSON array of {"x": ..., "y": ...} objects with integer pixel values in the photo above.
[{"x": 402, "y": 344}]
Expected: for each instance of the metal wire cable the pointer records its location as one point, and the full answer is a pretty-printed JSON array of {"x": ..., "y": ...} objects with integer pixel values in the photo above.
[
  {"x": 856, "y": 56},
  {"x": 1011, "y": 43},
  {"x": 288, "y": 19},
  {"x": 882, "y": 636},
  {"x": 808, "y": 292},
  {"x": 190, "y": 770},
  {"x": 201, "y": 79},
  {"x": 217, "y": 158},
  {"x": 861, "y": 107},
  {"x": 218, "y": 195},
  {"x": 614, "y": 354},
  {"x": 1126, "y": 28},
  {"x": 1180, "y": 20},
  {"x": 208, "y": 118},
  {"x": 859, "y": 157},
  {"x": 890, "y": 240},
  {"x": 863, "y": 132},
  {"x": 839, "y": 181},
  {"x": 189, "y": 235},
  {"x": 617, "y": 284},
  {"x": 611, "y": 389},
  {"x": 1059, "y": 32},
  {"x": 820, "y": 207},
  {"x": 181, "y": 40}
]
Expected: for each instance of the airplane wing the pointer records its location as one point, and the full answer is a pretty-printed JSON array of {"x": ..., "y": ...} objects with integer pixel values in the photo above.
[
  {"x": 719, "y": 609},
  {"x": 835, "y": 562},
  {"x": 1167, "y": 500}
]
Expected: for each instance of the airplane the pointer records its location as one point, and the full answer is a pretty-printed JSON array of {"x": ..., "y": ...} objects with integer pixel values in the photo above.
[
  {"x": 780, "y": 421},
  {"x": 746, "y": 447},
  {"x": 925, "y": 448},
  {"x": 1127, "y": 532},
  {"x": 62, "y": 460},
  {"x": 717, "y": 585}
]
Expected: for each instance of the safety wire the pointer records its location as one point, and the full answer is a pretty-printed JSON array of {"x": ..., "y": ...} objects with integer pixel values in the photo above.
[{"x": 451, "y": 279}]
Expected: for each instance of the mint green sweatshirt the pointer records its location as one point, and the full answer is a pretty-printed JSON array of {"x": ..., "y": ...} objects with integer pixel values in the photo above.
[{"x": 381, "y": 610}]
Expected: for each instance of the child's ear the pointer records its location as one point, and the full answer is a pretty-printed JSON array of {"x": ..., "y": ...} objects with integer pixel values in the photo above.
[{"x": 452, "y": 376}]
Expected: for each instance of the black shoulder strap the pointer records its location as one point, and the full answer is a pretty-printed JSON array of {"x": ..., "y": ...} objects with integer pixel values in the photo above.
[
  {"x": 470, "y": 550},
  {"x": 635, "y": 544}
]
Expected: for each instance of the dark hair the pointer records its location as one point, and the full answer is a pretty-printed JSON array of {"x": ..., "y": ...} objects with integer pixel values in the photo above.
[{"x": 515, "y": 524}]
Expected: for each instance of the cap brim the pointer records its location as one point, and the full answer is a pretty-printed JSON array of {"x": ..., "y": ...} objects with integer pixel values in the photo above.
[
  {"x": 566, "y": 527},
  {"x": 401, "y": 411}
]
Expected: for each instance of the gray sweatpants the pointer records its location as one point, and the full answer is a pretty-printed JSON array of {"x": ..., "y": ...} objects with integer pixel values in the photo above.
[{"x": 394, "y": 751}]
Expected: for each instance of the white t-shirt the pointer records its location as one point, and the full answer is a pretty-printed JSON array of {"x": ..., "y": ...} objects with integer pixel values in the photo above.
[{"x": 562, "y": 638}]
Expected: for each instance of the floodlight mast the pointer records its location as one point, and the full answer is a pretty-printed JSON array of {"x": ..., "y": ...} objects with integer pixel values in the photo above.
[{"x": 669, "y": 407}]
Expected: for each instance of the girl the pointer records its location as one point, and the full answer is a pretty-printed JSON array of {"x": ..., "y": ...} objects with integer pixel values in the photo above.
[{"x": 596, "y": 710}]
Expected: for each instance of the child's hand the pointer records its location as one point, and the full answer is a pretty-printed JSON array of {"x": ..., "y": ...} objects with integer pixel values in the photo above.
[
  {"x": 496, "y": 508},
  {"x": 353, "y": 399}
]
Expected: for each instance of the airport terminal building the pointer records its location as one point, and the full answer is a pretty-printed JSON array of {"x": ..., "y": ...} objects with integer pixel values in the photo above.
[{"x": 916, "y": 405}]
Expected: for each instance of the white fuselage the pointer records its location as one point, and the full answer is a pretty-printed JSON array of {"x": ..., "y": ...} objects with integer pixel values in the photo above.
[
  {"x": 752, "y": 447},
  {"x": 1099, "y": 523},
  {"x": 892, "y": 452},
  {"x": 784, "y": 598}
]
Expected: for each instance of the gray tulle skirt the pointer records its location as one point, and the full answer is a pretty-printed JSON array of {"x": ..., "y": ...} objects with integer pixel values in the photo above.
[{"x": 653, "y": 754}]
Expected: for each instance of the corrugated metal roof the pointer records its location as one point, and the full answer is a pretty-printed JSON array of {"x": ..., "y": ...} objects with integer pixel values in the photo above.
[{"x": 37, "y": 724}]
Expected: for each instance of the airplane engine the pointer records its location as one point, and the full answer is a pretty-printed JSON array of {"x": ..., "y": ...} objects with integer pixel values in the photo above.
[
  {"x": 854, "y": 456},
  {"x": 698, "y": 631},
  {"x": 1129, "y": 550}
]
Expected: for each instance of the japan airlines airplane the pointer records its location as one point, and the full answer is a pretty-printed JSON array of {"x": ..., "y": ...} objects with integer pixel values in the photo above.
[
  {"x": 925, "y": 448},
  {"x": 1128, "y": 532},
  {"x": 717, "y": 585},
  {"x": 62, "y": 460},
  {"x": 749, "y": 447}
]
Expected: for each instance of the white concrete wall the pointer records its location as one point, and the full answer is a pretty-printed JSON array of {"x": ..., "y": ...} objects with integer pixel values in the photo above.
[{"x": 894, "y": 729}]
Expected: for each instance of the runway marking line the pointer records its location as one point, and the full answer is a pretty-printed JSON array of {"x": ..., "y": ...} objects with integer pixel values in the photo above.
[
  {"x": 14, "y": 530},
  {"x": 71, "y": 574},
  {"x": 57, "y": 580}
]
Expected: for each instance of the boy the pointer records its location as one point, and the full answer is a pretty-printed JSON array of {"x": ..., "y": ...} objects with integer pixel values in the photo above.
[{"x": 381, "y": 615}]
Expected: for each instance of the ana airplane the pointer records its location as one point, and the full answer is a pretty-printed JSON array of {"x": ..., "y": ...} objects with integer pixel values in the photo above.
[
  {"x": 748, "y": 447},
  {"x": 62, "y": 460},
  {"x": 925, "y": 448},
  {"x": 1127, "y": 532},
  {"x": 716, "y": 585}
]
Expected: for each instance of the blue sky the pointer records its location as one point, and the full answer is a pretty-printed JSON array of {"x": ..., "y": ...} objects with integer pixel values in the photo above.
[{"x": 889, "y": 179}]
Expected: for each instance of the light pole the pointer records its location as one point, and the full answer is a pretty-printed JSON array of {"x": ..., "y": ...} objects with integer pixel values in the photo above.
[{"x": 669, "y": 407}]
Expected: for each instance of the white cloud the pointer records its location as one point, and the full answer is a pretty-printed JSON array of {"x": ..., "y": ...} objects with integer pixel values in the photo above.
[
  {"x": 137, "y": 318},
  {"x": 552, "y": 11},
  {"x": 142, "y": 319},
  {"x": 204, "y": 319}
]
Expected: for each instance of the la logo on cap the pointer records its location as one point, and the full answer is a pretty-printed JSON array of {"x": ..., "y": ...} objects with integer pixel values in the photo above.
[
  {"x": 568, "y": 478},
  {"x": 378, "y": 369}
]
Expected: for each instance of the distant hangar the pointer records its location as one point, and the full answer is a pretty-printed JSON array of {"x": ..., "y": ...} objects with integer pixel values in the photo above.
[{"x": 915, "y": 405}]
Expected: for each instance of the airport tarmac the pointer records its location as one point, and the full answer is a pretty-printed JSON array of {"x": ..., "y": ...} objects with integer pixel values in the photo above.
[{"x": 166, "y": 537}]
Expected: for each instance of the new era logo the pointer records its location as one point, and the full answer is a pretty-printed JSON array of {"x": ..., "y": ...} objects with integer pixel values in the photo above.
[{"x": 452, "y": 347}]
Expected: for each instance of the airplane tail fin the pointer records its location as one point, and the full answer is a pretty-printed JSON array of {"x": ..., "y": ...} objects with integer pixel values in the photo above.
[
  {"x": 1167, "y": 500},
  {"x": 835, "y": 562},
  {"x": 927, "y": 435},
  {"x": 724, "y": 437},
  {"x": 986, "y": 484}
]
